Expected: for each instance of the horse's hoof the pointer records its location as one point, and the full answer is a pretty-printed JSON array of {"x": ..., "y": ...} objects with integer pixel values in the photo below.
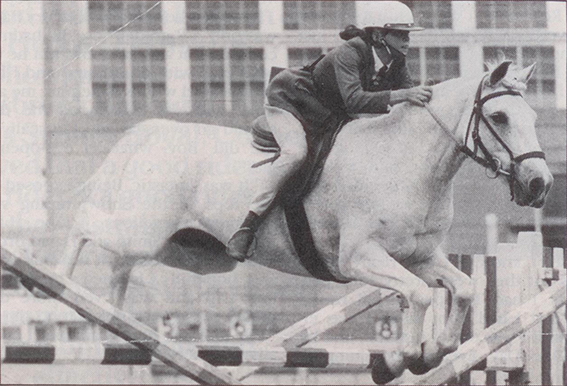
[
  {"x": 381, "y": 373},
  {"x": 419, "y": 366},
  {"x": 430, "y": 351}
]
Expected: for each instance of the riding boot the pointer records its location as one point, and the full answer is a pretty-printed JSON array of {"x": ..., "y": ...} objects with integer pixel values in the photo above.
[{"x": 239, "y": 244}]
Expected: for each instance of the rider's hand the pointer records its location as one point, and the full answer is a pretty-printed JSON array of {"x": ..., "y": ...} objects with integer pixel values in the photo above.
[
  {"x": 415, "y": 95},
  {"x": 418, "y": 95}
]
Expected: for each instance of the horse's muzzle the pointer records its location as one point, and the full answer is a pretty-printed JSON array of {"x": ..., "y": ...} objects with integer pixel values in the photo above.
[{"x": 534, "y": 192}]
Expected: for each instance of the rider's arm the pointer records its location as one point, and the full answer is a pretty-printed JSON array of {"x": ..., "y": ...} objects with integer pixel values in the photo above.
[
  {"x": 347, "y": 73},
  {"x": 406, "y": 92}
]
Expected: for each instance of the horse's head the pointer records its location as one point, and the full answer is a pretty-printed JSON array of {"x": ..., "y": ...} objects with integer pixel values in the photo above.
[{"x": 503, "y": 129}]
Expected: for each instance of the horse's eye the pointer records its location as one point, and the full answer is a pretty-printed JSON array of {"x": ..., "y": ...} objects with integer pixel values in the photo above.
[{"x": 499, "y": 118}]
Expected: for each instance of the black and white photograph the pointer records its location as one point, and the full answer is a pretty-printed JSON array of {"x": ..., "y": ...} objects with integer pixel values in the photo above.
[{"x": 283, "y": 192}]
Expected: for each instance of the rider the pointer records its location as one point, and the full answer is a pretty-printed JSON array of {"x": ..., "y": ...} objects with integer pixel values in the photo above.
[{"x": 366, "y": 74}]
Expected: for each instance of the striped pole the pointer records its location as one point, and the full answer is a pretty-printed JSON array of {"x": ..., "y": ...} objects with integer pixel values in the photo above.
[
  {"x": 126, "y": 354},
  {"x": 321, "y": 321},
  {"x": 499, "y": 334},
  {"x": 73, "y": 353},
  {"x": 112, "y": 319}
]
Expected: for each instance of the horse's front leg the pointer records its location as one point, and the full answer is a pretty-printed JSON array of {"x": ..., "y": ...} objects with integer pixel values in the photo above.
[
  {"x": 439, "y": 272},
  {"x": 370, "y": 263}
]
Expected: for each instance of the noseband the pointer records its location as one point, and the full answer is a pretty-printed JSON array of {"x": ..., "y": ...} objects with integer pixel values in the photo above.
[{"x": 487, "y": 160}]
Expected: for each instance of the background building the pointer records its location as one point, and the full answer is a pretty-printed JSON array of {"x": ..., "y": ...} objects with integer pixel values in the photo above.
[{"x": 100, "y": 67}]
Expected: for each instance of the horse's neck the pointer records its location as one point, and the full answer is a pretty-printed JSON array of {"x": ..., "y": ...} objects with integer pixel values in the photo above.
[
  {"x": 452, "y": 103},
  {"x": 435, "y": 154}
]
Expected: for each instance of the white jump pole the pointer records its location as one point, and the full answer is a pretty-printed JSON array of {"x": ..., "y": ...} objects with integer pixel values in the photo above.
[
  {"x": 321, "y": 321},
  {"x": 114, "y": 320},
  {"x": 499, "y": 334}
]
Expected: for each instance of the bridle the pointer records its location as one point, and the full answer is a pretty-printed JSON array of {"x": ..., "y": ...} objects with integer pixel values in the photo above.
[{"x": 487, "y": 160}]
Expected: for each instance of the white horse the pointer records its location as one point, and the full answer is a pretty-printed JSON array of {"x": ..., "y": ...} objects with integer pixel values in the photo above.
[{"x": 175, "y": 192}]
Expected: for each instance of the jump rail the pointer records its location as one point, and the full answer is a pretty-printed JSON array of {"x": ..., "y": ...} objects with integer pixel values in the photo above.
[
  {"x": 126, "y": 354},
  {"x": 494, "y": 337},
  {"x": 282, "y": 349},
  {"x": 328, "y": 317},
  {"x": 112, "y": 319}
]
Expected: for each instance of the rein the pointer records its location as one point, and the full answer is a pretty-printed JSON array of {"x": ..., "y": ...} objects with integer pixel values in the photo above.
[{"x": 487, "y": 160}]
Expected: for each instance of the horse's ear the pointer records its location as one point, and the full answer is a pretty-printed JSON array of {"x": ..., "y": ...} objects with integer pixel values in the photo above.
[
  {"x": 499, "y": 72},
  {"x": 501, "y": 57},
  {"x": 526, "y": 74}
]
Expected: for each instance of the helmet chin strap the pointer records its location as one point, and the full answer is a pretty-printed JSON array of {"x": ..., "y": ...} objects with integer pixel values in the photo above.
[
  {"x": 385, "y": 45},
  {"x": 397, "y": 53},
  {"x": 393, "y": 51}
]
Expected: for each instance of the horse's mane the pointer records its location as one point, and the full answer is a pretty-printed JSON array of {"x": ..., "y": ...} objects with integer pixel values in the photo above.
[
  {"x": 400, "y": 111},
  {"x": 510, "y": 82}
]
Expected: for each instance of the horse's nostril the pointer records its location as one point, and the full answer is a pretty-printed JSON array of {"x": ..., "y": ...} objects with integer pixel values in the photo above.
[{"x": 536, "y": 186}]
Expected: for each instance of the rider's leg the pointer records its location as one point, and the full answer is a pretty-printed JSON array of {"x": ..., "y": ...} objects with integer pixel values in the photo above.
[{"x": 290, "y": 136}]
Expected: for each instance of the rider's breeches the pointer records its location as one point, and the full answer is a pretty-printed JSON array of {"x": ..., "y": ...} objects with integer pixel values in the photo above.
[{"x": 290, "y": 136}]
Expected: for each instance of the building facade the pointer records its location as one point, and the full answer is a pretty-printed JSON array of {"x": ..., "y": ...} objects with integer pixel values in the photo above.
[
  {"x": 111, "y": 64},
  {"x": 22, "y": 116}
]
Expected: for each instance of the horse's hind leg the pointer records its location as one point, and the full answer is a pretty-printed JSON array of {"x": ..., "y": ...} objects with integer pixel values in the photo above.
[
  {"x": 439, "y": 272},
  {"x": 75, "y": 243},
  {"x": 121, "y": 270},
  {"x": 66, "y": 265}
]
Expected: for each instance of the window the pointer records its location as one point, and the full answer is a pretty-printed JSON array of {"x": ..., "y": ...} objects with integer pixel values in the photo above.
[
  {"x": 441, "y": 63},
  {"x": 318, "y": 14},
  {"x": 413, "y": 61},
  {"x": 556, "y": 206},
  {"x": 432, "y": 14},
  {"x": 207, "y": 80},
  {"x": 212, "y": 80},
  {"x": 299, "y": 57},
  {"x": 555, "y": 213},
  {"x": 247, "y": 78},
  {"x": 541, "y": 87},
  {"x": 78, "y": 332},
  {"x": 111, "y": 15},
  {"x": 44, "y": 333},
  {"x": 222, "y": 15},
  {"x": 148, "y": 80},
  {"x": 114, "y": 92},
  {"x": 11, "y": 334},
  {"x": 511, "y": 14},
  {"x": 109, "y": 80}
]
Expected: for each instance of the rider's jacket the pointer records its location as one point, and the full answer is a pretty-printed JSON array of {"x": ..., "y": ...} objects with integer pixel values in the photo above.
[
  {"x": 344, "y": 82},
  {"x": 346, "y": 79}
]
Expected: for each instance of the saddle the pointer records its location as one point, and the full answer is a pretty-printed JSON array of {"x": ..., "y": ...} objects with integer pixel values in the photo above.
[{"x": 297, "y": 187}]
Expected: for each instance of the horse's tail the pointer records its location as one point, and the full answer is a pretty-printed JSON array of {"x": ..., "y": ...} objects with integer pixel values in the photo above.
[{"x": 105, "y": 183}]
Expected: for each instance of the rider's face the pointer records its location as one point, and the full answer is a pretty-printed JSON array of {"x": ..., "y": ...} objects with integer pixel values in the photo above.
[{"x": 399, "y": 40}]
